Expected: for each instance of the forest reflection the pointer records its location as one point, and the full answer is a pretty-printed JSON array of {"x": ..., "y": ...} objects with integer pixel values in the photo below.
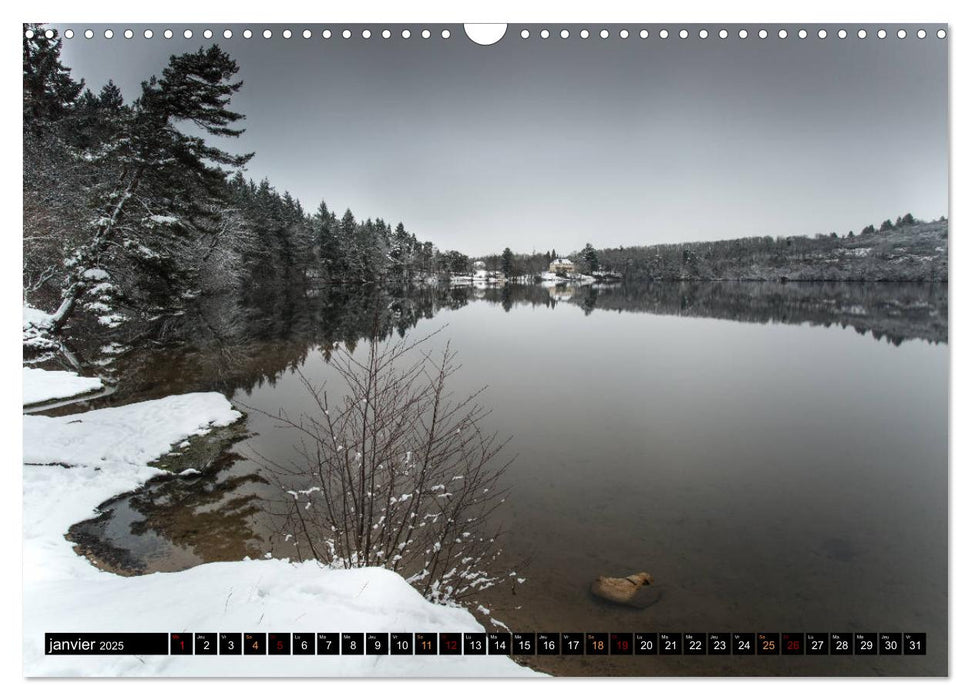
[{"x": 228, "y": 344}]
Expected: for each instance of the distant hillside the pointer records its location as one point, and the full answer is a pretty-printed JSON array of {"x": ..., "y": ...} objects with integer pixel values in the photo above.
[{"x": 903, "y": 253}]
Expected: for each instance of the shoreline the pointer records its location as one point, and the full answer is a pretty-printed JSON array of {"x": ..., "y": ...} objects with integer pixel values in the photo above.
[{"x": 74, "y": 463}]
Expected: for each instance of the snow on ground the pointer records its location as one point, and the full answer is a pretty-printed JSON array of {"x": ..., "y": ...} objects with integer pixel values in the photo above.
[
  {"x": 36, "y": 317},
  {"x": 37, "y": 323},
  {"x": 44, "y": 385},
  {"x": 108, "y": 450}
]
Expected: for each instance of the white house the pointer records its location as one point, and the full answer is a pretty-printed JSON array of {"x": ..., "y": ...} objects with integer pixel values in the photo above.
[{"x": 562, "y": 266}]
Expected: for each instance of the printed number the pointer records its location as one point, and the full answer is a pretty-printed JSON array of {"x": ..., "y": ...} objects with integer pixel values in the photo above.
[
  {"x": 622, "y": 645},
  {"x": 475, "y": 644},
  {"x": 866, "y": 645},
  {"x": 719, "y": 645},
  {"x": 303, "y": 645},
  {"x": 256, "y": 644},
  {"x": 377, "y": 645},
  {"x": 426, "y": 644},
  {"x": 352, "y": 645},
  {"x": 817, "y": 644},
  {"x": 792, "y": 644},
  {"x": 768, "y": 644},
  {"x": 403, "y": 644},
  {"x": 914, "y": 644},
  {"x": 646, "y": 645},
  {"x": 670, "y": 644},
  {"x": 328, "y": 643},
  {"x": 573, "y": 644},
  {"x": 205, "y": 644},
  {"x": 743, "y": 644},
  {"x": 549, "y": 644},
  {"x": 694, "y": 645},
  {"x": 231, "y": 645},
  {"x": 598, "y": 644},
  {"x": 842, "y": 646},
  {"x": 451, "y": 644},
  {"x": 890, "y": 644}
]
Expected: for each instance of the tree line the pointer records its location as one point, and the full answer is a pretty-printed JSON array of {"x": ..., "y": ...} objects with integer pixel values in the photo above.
[
  {"x": 906, "y": 251},
  {"x": 529, "y": 265},
  {"x": 131, "y": 211},
  {"x": 902, "y": 250}
]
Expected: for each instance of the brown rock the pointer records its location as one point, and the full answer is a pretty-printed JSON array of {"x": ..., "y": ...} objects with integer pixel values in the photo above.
[{"x": 620, "y": 590}]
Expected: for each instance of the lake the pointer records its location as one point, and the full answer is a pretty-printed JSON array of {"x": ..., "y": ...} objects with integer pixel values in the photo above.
[{"x": 775, "y": 455}]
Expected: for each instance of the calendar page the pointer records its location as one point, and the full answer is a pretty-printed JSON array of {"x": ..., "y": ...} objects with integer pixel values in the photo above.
[{"x": 504, "y": 350}]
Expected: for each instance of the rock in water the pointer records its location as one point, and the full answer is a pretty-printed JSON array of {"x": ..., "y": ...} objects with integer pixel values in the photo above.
[{"x": 620, "y": 590}]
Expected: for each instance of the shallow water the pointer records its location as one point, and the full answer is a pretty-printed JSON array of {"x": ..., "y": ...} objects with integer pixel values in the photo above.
[{"x": 773, "y": 470}]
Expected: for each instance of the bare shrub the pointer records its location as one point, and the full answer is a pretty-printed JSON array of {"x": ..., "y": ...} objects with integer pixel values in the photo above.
[{"x": 400, "y": 473}]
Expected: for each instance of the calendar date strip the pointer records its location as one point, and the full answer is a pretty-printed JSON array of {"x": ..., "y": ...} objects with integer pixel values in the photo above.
[{"x": 488, "y": 643}]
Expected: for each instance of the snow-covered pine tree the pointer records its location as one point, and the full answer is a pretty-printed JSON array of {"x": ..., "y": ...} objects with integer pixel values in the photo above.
[
  {"x": 300, "y": 238},
  {"x": 167, "y": 192},
  {"x": 326, "y": 231},
  {"x": 49, "y": 90},
  {"x": 354, "y": 263},
  {"x": 52, "y": 178}
]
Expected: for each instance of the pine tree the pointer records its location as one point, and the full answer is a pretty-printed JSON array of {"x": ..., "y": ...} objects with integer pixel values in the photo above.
[
  {"x": 353, "y": 269},
  {"x": 169, "y": 186},
  {"x": 506, "y": 262},
  {"x": 55, "y": 179},
  {"x": 49, "y": 90},
  {"x": 589, "y": 257},
  {"x": 399, "y": 253},
  {"x": 325, "y": 230}
]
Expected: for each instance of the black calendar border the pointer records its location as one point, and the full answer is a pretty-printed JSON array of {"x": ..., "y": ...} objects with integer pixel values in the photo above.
[{"x": 626, "y": 644}]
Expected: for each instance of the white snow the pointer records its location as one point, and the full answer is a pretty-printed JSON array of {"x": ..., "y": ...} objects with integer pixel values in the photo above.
[
  {"x": 854, "y": 252},
  {"x": 44, "y": 385},
  {"x": 37, "y": 323},
  {"x": 108, "y": 450},
  {"x": 95, "y": 273},
  {"x": 36, "y": 317},
  {"x": 111, "y": 320}
]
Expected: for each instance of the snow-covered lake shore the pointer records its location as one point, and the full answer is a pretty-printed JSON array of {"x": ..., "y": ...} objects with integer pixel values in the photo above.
[
  {"x": 74, "y": 463},
  {"x": 47, "y": 385}
]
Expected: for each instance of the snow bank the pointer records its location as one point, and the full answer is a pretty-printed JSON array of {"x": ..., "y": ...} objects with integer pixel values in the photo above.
[
  {"x": 37, "y": 324},
  {"x": 107, "y": 451},
  {"x": 36, "y": 317},
  {"x": 248, "y": 596},
  {"x": 44, "y": 385}
]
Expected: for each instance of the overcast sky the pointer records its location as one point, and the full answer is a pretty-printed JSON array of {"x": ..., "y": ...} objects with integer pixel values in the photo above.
[{"x": 540, "y": 144}]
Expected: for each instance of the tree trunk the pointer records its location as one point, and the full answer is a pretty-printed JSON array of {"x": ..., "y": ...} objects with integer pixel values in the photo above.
[{"x": 79, "y": 284}]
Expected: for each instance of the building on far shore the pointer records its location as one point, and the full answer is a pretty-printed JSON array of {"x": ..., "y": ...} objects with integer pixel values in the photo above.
[{"x": 562, "y": 266}]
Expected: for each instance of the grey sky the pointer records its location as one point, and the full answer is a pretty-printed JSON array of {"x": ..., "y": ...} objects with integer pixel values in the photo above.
[{"x": 541, "y": 144}]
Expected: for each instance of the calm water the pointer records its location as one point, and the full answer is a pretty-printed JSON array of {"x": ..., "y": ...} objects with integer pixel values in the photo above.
[{"x": 773, "y": 469}]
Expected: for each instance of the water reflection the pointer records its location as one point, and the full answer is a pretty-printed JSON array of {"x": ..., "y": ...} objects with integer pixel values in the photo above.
[
  {"x": 174, "y": 522},
  {"x": 227, "y": 345},
  {"x": 770, "y": 473}
]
